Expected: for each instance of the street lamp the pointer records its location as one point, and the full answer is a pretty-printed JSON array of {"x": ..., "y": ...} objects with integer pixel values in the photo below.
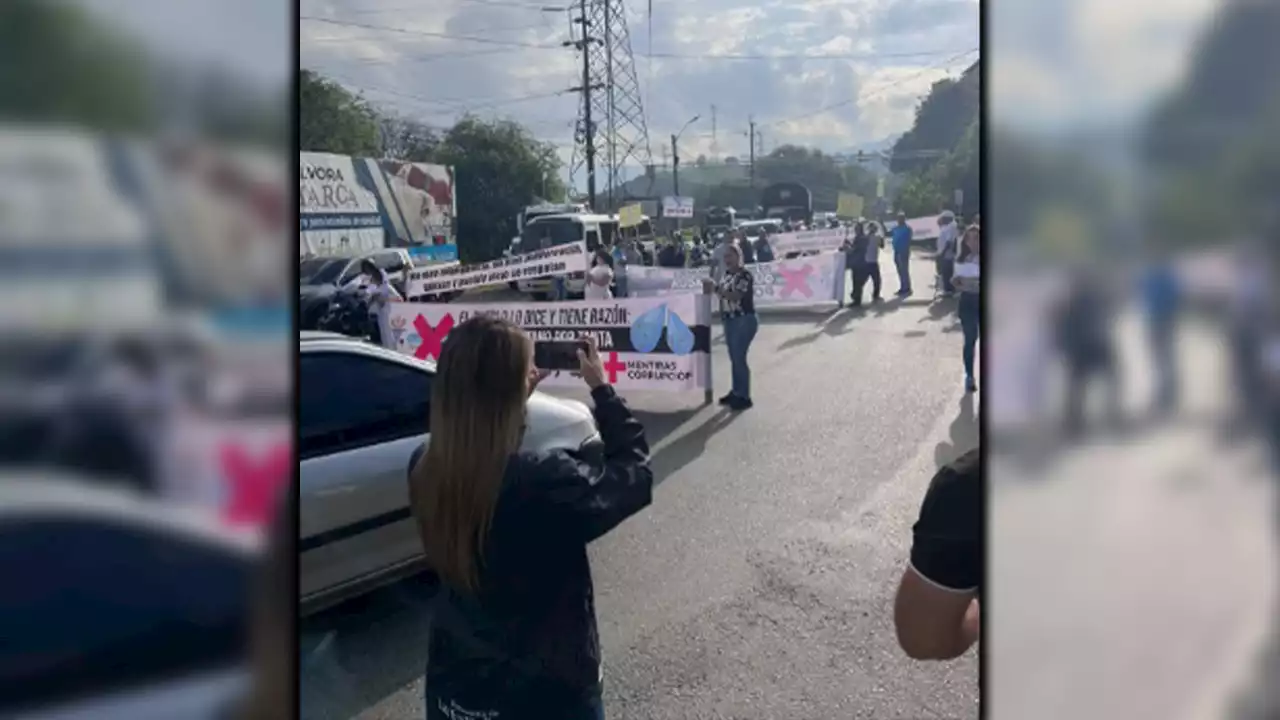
[{"x": 675, "y": 156}]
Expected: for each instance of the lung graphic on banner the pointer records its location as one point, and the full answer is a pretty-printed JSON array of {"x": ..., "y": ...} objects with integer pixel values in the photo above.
[
  {"x": 646, "y": 343},
  {"x": 338, "y": 209},
  {"x": 677, "y": 207}
]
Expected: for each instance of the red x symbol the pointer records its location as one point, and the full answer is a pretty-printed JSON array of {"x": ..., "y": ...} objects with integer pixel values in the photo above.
[
  {"x": 432, "y": 337},
  {"x": 796, "y": 280},
  {"x": 613, "y": 367},
  {"x": 253, "y": 483}
]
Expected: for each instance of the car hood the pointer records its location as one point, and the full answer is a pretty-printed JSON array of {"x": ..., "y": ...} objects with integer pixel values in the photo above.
[
  {"x": 316, "y": 291},
  {"x": 557, "y": 424}
]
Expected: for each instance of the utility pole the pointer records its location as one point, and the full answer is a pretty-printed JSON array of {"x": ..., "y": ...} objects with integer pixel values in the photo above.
[
  {"x": 751, "y": 122},
  {"x": 675, "y": 168},
  {"x": 588, "y": 128}
]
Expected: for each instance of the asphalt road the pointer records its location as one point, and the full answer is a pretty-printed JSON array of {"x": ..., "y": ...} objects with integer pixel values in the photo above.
[
  {"x": 1133, "y": 575},
  {"x": 760, "y": 582}
]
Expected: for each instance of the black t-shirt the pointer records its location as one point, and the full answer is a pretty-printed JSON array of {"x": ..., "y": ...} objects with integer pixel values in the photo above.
[
  {"x": 947, "y": 543},
  {"x": 742, "y": 282}
]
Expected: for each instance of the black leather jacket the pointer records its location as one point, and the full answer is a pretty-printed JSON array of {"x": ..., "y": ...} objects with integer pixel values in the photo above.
[{"x": 526, "y": 646}]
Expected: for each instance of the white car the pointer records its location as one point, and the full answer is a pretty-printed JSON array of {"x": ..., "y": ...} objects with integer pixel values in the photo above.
[
  {"x": 127, "y": 608},
  {"x": 363, "y": 411}
]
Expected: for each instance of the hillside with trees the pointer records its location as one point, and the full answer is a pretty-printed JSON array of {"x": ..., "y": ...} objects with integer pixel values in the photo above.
[
  {"x": 942, "y": 151},
  {"x": 1210, "y": 146}
]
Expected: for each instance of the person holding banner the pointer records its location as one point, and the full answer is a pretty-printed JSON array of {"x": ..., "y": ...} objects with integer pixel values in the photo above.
[
  {"x": 737, "y": 294},
  {"x": 513, "y": 623},
  {"x": 966, "y": 277}
]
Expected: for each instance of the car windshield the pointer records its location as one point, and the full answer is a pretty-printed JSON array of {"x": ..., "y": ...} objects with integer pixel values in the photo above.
[
  {"x": 320, "y": 271},
  {"x": 547, "y": 233}
]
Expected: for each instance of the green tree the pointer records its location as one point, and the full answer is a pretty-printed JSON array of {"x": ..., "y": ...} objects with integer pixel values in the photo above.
[
  {"x": 59, "y": 64},
  {"x": 407, "y": 139},
  {"x": 332, "y": 119},
  {"x": 499, "y": 168},
  {"x": 941, "y": 121}
]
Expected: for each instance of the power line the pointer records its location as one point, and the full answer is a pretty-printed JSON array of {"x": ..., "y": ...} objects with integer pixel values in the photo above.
[
  {"x": 946, "y": 63},
  {"x": 659, "y": 55},
  {"x": 494, "y": 3},
  {"x": 483, "y": 103},
  {"x": 800, "y": 56},
  {"x": 424, "y": 33},
  {"x": 518, "y": 28}
]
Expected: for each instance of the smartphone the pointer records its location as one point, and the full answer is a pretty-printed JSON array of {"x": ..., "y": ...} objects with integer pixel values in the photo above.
[{"x": 557, "y": 354}]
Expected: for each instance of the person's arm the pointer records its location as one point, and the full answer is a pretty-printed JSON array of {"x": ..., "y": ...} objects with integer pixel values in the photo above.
[
  {"x": 591, "y": 501},
  {"x": 936, "y": 611}
]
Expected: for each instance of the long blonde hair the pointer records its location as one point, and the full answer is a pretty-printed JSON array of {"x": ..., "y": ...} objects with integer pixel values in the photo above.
[{"x": 477, "y": 421}]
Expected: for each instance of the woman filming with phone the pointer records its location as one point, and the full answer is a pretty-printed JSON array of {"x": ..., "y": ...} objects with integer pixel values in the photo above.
[{"x": 514, "y": 627}]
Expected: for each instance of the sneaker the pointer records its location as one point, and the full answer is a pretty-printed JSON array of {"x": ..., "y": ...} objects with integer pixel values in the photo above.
[
  {"x": 738, "y": 403},
  {"x": 970, "y": 385},
  {"x": 727, "y": 399}
]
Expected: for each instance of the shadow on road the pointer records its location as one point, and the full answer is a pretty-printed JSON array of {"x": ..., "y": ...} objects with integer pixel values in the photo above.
[
  {"x": 963, "y": 433},
  {"x": 1259, "y": 699},
  {"x": 354, "y": 655},
  {"x": 790, "y": 316},
  {"x": 670, "y": 458}
]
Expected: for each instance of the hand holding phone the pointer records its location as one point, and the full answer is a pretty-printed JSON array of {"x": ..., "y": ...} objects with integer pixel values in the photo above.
[{"x": 589, "y": 363}]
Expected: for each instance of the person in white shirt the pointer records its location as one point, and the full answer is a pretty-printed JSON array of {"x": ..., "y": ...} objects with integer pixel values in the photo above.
[
  {"x": 948, "y": 234},
  {"x": 599, "y": 278},
  {"x": 377, "y": 290}
]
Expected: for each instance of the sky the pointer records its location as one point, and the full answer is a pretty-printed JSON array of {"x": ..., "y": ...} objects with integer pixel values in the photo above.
[{"x": 875, "y": 60}]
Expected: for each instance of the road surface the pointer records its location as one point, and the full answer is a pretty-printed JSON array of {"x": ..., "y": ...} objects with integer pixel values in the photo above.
[
  {"x": 759, "y": 585},
  {"x": 1133, "y": 576}
]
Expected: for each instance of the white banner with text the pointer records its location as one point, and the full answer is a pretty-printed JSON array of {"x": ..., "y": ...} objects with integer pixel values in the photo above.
[
  {"x": 559, "y": 260},
  {"x": 808, "y": 241},
  {"x": 799, "y": 281},
  {"x": 646, "y": 343}
]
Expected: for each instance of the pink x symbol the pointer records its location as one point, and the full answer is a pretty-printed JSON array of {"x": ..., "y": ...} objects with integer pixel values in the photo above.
[
  {"x": 432, "y": 337},
  {"x": 253, "y": 483},
  {"x": 796, "y": 280}
]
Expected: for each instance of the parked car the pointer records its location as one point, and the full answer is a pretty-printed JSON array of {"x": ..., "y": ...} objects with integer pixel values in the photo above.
[
  {"x": 319, "y": 278},
  {"x": 363, "y": 411},
  {"x": 128, "y": 608}
]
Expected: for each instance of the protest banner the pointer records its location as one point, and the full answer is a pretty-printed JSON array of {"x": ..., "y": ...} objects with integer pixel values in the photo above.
[
  {"x": 677, "y": 207},
  {"x": 849, "y": 206},
  {"x": 558, "y": 260},
  {"x": 799, "y": 281},
  {"x": 338, "y": 209},
  {"x": 924, "y": 228},
  {"x": 235, "y": 469},
  {"x": 646, "y": 343},
  {"x": 630, "y": 215},
  {"x": 808, "y": 240}
]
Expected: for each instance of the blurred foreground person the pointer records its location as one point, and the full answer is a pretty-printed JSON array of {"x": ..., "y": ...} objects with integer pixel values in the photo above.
[
  {"x": 1250, "y": 308},
  {"x": 514, "y": 627},
  {"x": 1082, "y": 323},
  {"x": 967, "y": 277},
  {"x": 936, "y": 612},
  {"x": 1161, "y": 294},
  {"x": 274, "y": 693}
]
